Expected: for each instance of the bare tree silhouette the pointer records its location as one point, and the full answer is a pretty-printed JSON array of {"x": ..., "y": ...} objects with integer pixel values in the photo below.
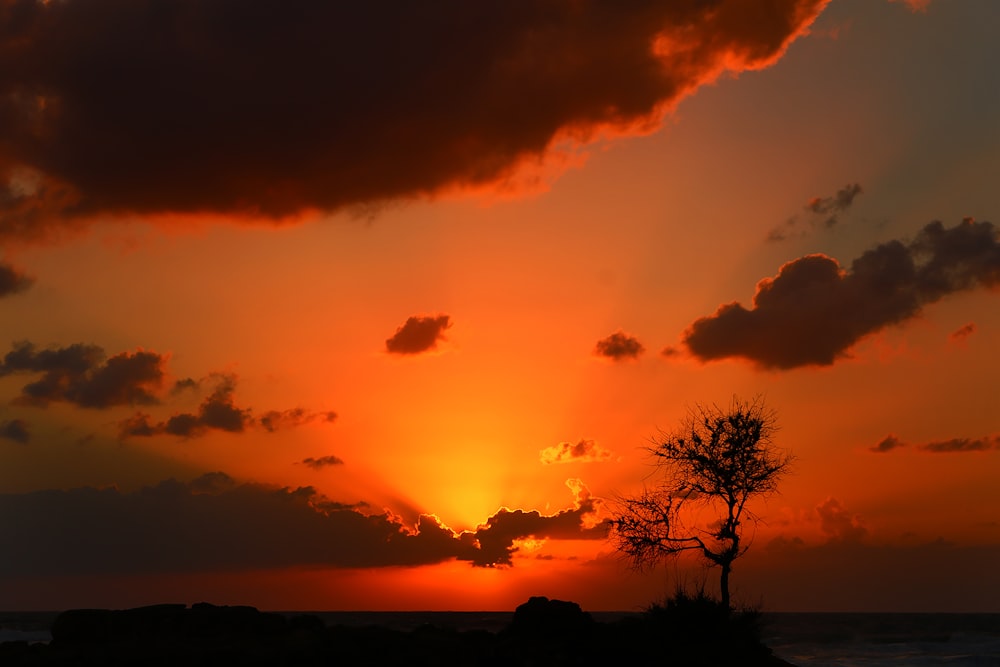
[{"x": 717, "y": 459}]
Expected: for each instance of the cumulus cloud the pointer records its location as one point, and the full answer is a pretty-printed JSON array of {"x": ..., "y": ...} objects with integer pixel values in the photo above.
[
  {"x": 619, "y": 346},
  {"x": 84, "y": 376},
  {"x": 568, "y": 452},
  {"x": 12, "y": 281},
  {"x": 16, "y": 430},
  {"x": 838, "y": 524},
  {"x": 215, "y": 523},
  {"x": 273, "y": 109},
  {"x": 418, "y": 334},
  {"x": 218, "y": 412},
  {"x": 820, "y": 212},
  {"x": 813, "y": 310},
  {"x": 322, "y": 462},
  {"x": 915, "y": 5}
]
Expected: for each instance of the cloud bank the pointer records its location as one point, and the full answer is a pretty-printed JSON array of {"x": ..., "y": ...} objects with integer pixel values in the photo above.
[
  {"x": 813, "y": 311},
  {"x": 216, "y": 524},
  {"x": 277, "y": 108}
]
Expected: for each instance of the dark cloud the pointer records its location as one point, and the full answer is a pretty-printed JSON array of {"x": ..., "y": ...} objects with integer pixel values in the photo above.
[
  {"x": 820, "y": 212},
  {"x": 418, "y": 334},
  {"x": 274, "y": 420},
  {"x": 567, "y": 452},
  {"x": 186, "y": 384},
  {"x": 322, "y": 462},
  {"x": 887, "y": 444},
  {"x": 813, "y": 311},
  {"x": 963, "y": 445},
  {"x": 496, "y": 539},
  {"x": 619, "y": 346},
  {"x": 837, "y": 203},
  {"x": 12, "y": 281},
  {"x": 217, "y": 412},
  {"x": 276, "y": 108},
  {"x": 953, "y": 445},
  {"x": 963, "y": 332},
  {"x": 217, "y": 524},
  {"x": 16, "y": 430},
  {"x": 81, "y": 375},
  {"x": 838, "y": 524}
]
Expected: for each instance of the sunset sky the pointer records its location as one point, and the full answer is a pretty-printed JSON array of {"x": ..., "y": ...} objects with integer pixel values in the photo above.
[{"x": 354, "y": 305}]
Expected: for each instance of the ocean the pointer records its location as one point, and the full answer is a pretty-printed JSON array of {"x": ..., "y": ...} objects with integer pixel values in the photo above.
[{"x": 803, "y": 639}]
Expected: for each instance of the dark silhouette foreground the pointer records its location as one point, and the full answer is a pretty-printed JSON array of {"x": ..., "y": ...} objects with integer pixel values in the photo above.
[{"x": 693, "y": 631}]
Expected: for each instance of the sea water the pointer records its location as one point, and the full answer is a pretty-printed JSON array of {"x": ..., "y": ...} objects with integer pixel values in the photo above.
[
  {"x": 803, "y": 639},
  {"x": 884, "y": 640}
]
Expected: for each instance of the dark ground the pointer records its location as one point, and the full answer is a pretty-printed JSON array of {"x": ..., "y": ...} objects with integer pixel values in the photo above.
[{"x": 685, "y": 632}]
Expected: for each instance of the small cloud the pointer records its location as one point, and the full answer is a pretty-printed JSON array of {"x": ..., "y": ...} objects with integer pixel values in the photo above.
[
  {"x": 963, "y": 445},
  {"x": 670, "y": 351},
  {"x": 184, "y": 385},
  {"x": 418, "y": 334},
  {"x": 820, "y": 212},
  {"x": 274, "y": 420},
  {"x": 567, "y": 452},
  {"x": 218, "y": 412},
  {"x": 619, "y": 346},
  {"x": 838, "y": 524},
  {"x": 962, "y": 333},
  {"x": 887, "y": 444},
  {"x": 13, "y": 281},
  {"x": 322, "y": 462},
  {"x": 16, "y": 430}
]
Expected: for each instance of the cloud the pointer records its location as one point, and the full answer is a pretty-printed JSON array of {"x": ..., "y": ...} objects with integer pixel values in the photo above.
[
  {"x": 418, "y": 334},
  {"x": 322, "y": 462},
  {"x": 821, "y": 211},
  {"x": 963, "y": 445},
  {"x": 952, "y": 445},
  {"x": 813, "y": 311},
  {"x": 838, "y": 524},
  {"x": 567, "y": 452},
  {"x": 496, "y": 538},
  {"x": 218, "y": 412},
  {"x": 273, "y": 110},
  {"x": 274, "y": 420},
  {"x": 82, "y": 375},
  {"x": 16, "y": 430},
  {"x": 963, "y": 332},
  {"x": 12, "y": 281},
  {"x": 215, "y": 523},
  {"x": 619, "y": 346},
  {"x": 887, "y": 444}
]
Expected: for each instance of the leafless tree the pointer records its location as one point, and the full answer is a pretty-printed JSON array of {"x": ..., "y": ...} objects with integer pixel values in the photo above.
[{"x": 717, "y": 459}]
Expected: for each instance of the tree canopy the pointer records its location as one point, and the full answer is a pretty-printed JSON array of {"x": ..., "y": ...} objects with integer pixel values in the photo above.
[{"x": 719, "y": 459}]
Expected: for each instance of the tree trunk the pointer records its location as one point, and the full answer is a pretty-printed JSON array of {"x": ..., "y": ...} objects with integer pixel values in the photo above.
[{"x": 724, "y": 585}]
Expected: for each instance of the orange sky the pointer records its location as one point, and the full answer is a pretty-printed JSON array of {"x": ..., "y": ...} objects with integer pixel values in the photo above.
[{"x": 265, "y": 307}]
